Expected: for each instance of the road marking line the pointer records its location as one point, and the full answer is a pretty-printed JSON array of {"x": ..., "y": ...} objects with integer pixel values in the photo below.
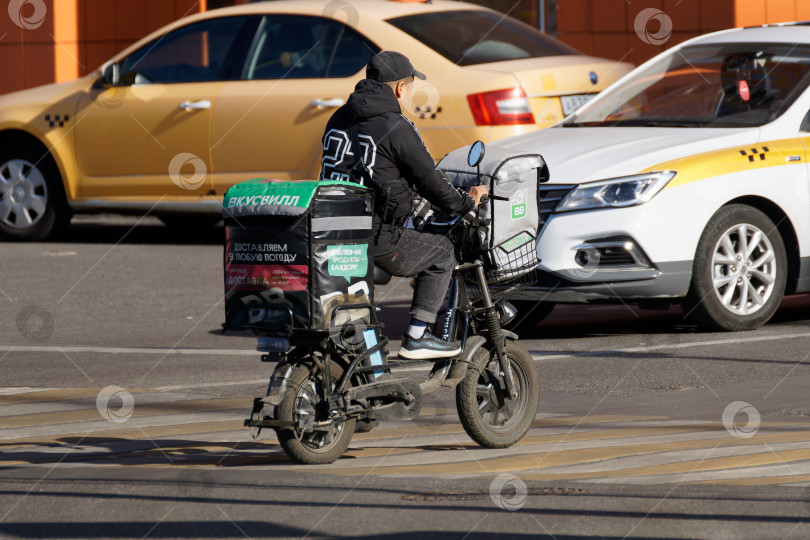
[
  {"x": 209, "y": 385},
  {"x": 567, "y": 457},
  {"x": 454, "y": 427},
  {"x": 127, "y": 350},
  {"x": 538, "y": 355},
  {"x": 59, "y": 394},
  {"x": 593, "y": 419},
  {"x": 194, "y": 453},
  {"x": 21, "y": 390},
  {"x": 113, "y": 435},
  {"x": 144, "y": 410},
  {"x": 758, "y": 481},
  {"x": 740, "y": 462}
]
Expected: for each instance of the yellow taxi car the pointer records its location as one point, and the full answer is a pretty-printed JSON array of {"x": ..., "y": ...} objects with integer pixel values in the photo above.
[{"x": 170, "y": 123}]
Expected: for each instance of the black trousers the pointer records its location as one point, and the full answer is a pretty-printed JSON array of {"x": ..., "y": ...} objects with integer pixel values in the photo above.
[{"x": 430, "y": 257}]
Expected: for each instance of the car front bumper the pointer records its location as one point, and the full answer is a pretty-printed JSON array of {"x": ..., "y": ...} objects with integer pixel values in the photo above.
[{"x": 639, "y": 252}]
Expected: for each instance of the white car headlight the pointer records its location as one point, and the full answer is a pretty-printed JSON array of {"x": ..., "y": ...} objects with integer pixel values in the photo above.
[{"x": 616, "y": 192}]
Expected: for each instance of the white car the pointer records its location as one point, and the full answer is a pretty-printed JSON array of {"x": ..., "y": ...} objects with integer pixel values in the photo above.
[{"x": 685, "y": 181}]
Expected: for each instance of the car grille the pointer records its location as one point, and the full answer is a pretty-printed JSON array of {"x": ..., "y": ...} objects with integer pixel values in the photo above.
[{"x": 548, "y": 196}]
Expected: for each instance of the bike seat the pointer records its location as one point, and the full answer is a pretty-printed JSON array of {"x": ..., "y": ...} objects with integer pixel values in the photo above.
[{"x": 381, "y": 277}]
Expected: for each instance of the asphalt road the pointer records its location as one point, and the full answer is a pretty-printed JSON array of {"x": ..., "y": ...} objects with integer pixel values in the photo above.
[{"x": 121, "y": 405}]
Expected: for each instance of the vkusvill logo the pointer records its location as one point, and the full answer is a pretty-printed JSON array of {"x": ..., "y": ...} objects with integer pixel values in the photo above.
[{"x": 519, "y": 204}]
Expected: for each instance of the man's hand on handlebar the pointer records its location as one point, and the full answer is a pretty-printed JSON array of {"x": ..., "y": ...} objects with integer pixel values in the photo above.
[{"x": 476, "y": 192}]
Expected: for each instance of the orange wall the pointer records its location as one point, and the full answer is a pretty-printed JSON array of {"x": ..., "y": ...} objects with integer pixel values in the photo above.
[
  {"x": 23, "y": 52},
  {"x": 110, "y": 26},
  {"x": 607, "y": 27},
  {"x": 753, "y": 12},
  {"x": 76, "y": 36}
]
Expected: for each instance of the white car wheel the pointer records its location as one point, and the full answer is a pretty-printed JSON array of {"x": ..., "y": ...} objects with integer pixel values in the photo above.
[
  {"x": 744, "y": 267},
  {"x": 739, "y": 273}
]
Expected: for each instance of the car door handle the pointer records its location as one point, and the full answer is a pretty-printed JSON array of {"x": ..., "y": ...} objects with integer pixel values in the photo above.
[
  {"x": 321, "y": 103},
  {"x": 189, "y": 106}
]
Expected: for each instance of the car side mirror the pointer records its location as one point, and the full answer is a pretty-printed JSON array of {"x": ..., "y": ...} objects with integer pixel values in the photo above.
[
  {"x": 476, "y": 154},
  {"x": 111, "y": 75}
]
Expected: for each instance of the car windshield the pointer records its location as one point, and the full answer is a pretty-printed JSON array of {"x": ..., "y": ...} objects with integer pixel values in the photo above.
[
  {"x": 477, "y": 37},
  {"x": 730, "y": 85}
]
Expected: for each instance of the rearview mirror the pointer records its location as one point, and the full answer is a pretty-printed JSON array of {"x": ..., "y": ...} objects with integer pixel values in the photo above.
[
  {"x": 476, "y": 154},
  {"x": 110, "y": 75}
]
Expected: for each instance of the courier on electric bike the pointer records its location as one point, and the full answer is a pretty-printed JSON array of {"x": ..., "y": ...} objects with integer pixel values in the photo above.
[{"x": 299, "y": 273}]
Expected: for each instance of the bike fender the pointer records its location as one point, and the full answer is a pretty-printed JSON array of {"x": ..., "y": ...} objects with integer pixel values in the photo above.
[
  {"x": 459, "y": 369},
  {"x": 278, "y": 384}
]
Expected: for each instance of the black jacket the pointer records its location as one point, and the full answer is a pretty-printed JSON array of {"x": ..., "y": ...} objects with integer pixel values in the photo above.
[{"x": 393, "y": 152}]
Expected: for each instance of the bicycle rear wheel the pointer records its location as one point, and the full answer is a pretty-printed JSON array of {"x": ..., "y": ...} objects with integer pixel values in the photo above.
[{"x": 307, "y": 441}]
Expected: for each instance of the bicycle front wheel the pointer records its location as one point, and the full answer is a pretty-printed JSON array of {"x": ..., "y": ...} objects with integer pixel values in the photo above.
[{"x": 487, "y": 414}]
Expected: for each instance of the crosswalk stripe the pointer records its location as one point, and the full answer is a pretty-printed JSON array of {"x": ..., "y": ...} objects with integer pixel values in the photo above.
[
  {"x": 175, "y": 429},
  {"x": 592, "y": 419},
  {"x": 410, "y": 430},
  {"x": 113, "y": 435},
  {"x": 565, "y": 457},
  {"x": 691, "y": 466},
  {"x": 57, "y": 394},
  {"x": 759, "y": 481},
  {"x": 6, "y": 391},
  {"x": 149, "y": 409}
]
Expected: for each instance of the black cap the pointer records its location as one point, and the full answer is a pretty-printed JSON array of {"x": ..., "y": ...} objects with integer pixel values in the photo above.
[{"x": 390, "y": 66}]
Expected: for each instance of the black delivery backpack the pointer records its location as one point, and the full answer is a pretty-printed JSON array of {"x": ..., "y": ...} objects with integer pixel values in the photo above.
[{"x": 295, "y": 251}]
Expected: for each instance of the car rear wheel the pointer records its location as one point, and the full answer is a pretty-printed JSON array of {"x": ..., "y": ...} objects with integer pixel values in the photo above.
[
  {"x": 32, "y": 199},
  {"x": 739, "y": 273}
]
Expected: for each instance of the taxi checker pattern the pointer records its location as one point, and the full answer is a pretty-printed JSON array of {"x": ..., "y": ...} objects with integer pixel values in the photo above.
[
  {"x": 55, "y": 120},
  {"x": 171, "y": 429}
]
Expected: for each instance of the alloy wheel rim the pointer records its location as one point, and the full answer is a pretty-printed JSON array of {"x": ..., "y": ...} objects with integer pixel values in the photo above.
[
  {"x": 743, "y": 269},
  {"x": 23, "y": 194}
]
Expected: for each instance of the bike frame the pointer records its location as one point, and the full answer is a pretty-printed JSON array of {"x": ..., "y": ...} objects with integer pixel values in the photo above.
[{"x": 320, "y": 348}]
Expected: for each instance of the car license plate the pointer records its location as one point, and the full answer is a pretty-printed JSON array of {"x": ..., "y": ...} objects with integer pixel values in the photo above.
[{"x": 572, "y": 103}]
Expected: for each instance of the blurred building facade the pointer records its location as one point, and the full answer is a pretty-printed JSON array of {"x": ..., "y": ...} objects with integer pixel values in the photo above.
[
  {"x": 637, "y": 30},
  {"x": 44, "y": 41}
]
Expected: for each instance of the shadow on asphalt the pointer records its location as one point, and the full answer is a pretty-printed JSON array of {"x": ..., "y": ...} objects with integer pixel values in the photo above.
[
  {"x": 580, "y": 320},
  {"x": 135, "y": 230}
]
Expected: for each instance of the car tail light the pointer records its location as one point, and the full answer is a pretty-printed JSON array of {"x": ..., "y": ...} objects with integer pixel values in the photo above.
[{"x": 501, "y": 108}]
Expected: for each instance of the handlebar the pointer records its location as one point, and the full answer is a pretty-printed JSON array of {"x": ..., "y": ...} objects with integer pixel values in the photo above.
[{"x": 420, "y": 219}]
